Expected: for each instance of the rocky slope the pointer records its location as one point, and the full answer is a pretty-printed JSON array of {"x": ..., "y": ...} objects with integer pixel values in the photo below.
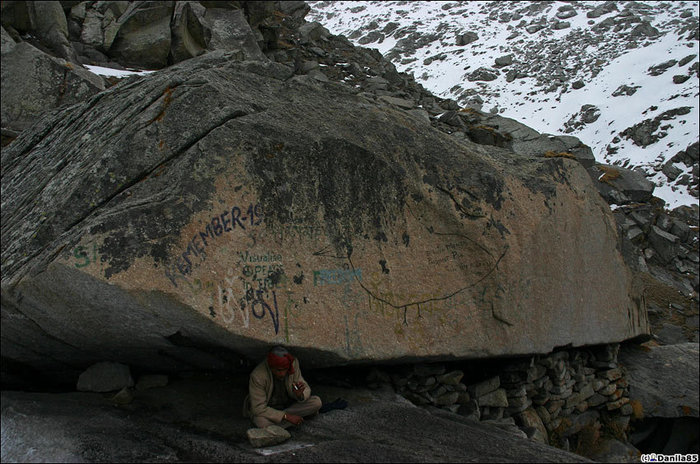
[{"x": 621, "y": 76}]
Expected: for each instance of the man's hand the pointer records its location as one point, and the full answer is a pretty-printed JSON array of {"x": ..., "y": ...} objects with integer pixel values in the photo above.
[
  {"x": 298, "y": 389},
  {"x": 294, "y": 419}
]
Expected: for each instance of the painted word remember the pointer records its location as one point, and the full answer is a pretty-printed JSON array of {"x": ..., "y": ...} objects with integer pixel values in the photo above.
[{"x": 220, "y": 224}]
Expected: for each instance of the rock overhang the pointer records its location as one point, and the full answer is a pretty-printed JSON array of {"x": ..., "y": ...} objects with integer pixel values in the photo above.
[{"x": 240, "y": 207}]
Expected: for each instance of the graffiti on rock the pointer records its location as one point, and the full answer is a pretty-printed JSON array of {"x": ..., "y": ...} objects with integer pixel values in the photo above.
[
  {"x": 284, "y": 232},
  {"x": 85, "y": 255},
  {"x": 258, "y": 302},
  {"x": 236, "y": 218},
  {"x": 264, "y": 271},
  {"x": 388, "y": 303}
]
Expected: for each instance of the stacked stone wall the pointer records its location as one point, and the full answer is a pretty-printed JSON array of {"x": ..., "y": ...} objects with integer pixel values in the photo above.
[{"x": 563, "y": 398}]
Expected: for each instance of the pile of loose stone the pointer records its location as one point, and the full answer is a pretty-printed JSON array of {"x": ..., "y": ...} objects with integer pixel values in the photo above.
[
  {"x": 550, "y": 398},
  {"x": 662, "y": 242}
]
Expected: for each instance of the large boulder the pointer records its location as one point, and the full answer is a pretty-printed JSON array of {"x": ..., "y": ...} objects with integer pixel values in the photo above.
[
  {"x": 44, "y": 20},
  {"x": 143, "y": 37},
  {"x": 101, "y": 23},
  {"x": 663, "y": 379},
  {"x": 34, "y": 82},
  {"x": 220, "y": 206},
  {"x": 153, "y": 35},
  {"x": 189, "y": 35},
  {"x": 492, "y": 129},
  {"x": 51, "y": 27},
  {"x": 619, "y": 185},
  {"x": 105, "y": 377},
  {"x": 231, "y": 31}
]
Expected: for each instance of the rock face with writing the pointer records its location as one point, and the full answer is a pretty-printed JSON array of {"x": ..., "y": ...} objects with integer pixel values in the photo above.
[{"x": 220, "y": 206}]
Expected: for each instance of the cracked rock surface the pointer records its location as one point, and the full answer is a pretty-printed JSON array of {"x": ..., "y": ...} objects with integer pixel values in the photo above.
[{"x": 224, "y": 204}]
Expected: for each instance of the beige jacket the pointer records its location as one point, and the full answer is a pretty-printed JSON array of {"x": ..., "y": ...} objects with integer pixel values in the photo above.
[{"x": 260, "y": 388}]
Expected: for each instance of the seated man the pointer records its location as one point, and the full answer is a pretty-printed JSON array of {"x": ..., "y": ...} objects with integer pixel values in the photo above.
[{"x": 278, "y": 394}]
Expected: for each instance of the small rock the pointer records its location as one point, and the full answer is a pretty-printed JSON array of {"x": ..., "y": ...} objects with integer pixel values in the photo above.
[
  {"x": 617, "y": 404},
  {"x": 464, "y": 397},
  {"x": 451, "y": 378},
  {"x": 488, "y": 413},
  {"x": 470, "y": 410},
  {"x": 579, "y": 421},
  {"x": 589, "y": 113},
  {"x": 451, "y": 118},
  {"x": 453, "y": 408},
  {"x": 686, "y": 60},
  {"x": 625, "y": 90},
  {"x": 466, "y": 38},
  {"x": 626, "y": 410},
  {"x": 496, "y": 398},
  {"x": 611, "y": 374},
  {"x": 534, "y": 28},
  {"x": 566, "y": 14},
  {"x": 518, "y": 392},
  {"x": 105, "y": 377},
  {"x": 661, "y": 68},
  {"x": 123, "y": 396},
  {"x": 670, "y": 334},
  {"x": 604, "y": 8},
  {"x": 377, "y": 83},
  {"x": 460, "y": 387},
  {"x": 505, "y": 60},
  {"x": 482, "y": 74},
  {"x": 604, "y": 365},
  {"x": 420, "y": 114},
  {"x": 439, "y": 391},
  {"x": 664, "y": 243},
  {"x": 447, "y": 399},
  {"x": 617, "y": 394},
  {"x": 541, "y": 397},
  {"x": 599, "y": 384},
  {"x": 516, "y": 405},
  {"x": 529, "y": 418},
  {"x": 554, "y": 424},
  {"x": 421, "y": 384},
  {"x": 415, "y": 398},
  {"x": 543, "y": 414},
  {"x": 400, "y": 102},
  {"x": 318, "y": 75},
  {"x": 672, "y": 172},
  {"x": 482, "y": 388},
  {"x": 269, "y": 436},
  {"x": 519, "y": 402}
]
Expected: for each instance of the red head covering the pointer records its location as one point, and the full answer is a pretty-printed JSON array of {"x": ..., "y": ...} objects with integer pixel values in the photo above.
[{"x": 282, "y": 362}]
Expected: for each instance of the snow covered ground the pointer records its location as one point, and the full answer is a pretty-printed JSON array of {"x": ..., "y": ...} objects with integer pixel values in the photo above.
[
  {"x": 602, "y": 57},
  {"x": 109, "y": 72}
]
